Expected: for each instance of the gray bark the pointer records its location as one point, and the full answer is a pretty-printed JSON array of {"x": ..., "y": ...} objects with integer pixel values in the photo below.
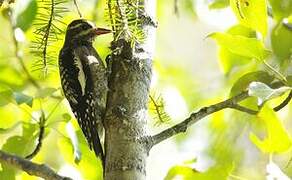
[{"x": 126, "y": 148}]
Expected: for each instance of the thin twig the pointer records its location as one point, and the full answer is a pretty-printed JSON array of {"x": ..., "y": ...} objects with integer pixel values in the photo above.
[
  {"x": 176, "y": 11},
  {"x": 284, "y": 103},
  {"x": 18, "y": 54},
  {"x": 195, "y": 117},
  {"x": 40, "y": 170},
  {"x": 109, "y": 4},
  {"x": 47, "y": 34},
  {"x": 76, "y": 5},
  {"x": 243, "y": 109},
  {"x": 42, "y": 125},
  {"x": 37, "y": 149},
  {"x": 94, "y": 12}
]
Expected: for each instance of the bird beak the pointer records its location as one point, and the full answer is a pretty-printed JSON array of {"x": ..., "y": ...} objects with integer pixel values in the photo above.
[{"x": 100, "y": 31}]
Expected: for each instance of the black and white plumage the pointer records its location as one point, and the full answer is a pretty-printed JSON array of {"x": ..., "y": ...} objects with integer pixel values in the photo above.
[{"x": 83, "y": 79}]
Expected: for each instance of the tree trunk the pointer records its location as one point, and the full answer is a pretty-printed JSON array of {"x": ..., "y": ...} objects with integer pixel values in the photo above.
[{"x": 126, "y": 147}]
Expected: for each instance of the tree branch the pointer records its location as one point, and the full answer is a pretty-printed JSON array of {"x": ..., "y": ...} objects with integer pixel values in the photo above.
[
  {"x": 40, "y": 170},
  {"x": 203, "y": 112}
]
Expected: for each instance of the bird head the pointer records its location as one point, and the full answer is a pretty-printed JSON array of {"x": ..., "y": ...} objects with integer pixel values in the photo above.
[{"x": 82, "y": 30}]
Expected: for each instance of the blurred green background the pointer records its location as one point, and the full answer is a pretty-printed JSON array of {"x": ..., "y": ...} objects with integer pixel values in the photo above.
[{"x": 190, "y": 71}]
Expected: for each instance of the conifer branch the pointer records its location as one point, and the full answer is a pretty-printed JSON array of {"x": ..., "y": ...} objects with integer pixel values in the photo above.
[
  {"x": 125, "y": 19},
  {"x": 158, "y": 109},
  {"x": 47, "y": 32}
]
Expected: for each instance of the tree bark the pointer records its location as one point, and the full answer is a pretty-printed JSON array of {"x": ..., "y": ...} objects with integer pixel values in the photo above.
[{"x": 126, "y": 148}]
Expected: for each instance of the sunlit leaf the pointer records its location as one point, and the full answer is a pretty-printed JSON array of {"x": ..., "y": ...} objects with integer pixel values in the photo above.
[
  {"x": 240, "y": 45},
  {"x": 24, "y": 20},
  {"x": 185, "y": 172},
  {"x": 89, "y": 166},
  {"x": 263, "y": 92},
  {"x": 281, "y": 8},
  {"x": 6, "y": 97},
  {"x": 277, "y": 140},
  {"x": 218, "y": 4},
  {"x": 8, "y": 130},
  {"x": 251, "y": 13},
  {"x": 243, "y": 82},
  {"x": 75, "y": 143},
  {"x": 229, "y": 60},
  {"x": 19, "y": 145}
]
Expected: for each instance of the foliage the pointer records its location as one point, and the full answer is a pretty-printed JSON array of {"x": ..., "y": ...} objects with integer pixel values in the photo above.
[{"x": 231, "y": 144}]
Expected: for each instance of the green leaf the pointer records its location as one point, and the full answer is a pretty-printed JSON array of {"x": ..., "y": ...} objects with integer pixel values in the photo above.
[
  {"x": 19, "y": 145},
  {"x": 243, "y": 82},
  {"x": 229, "y": 60},
  {"x": 24, "y": 20},
  {"x": 45, "y": 92},
  {"x": 240, "y": 45},
  {"x": 281, "y": 8},
  {"x": 74, "y": 142},
  {"x": 185, "y": 172},
  {"x": 277, "y": 139},
  {"x": 6, "y": 97},
  {"x": 8, "y": 130},
  {"x": 219, "y": 4},
  {"x": 89, "y": 166},
  {"x": 21, "y": 98},
  {"x": 251, "y": 13},
  {"x": 263, "y": 92},
  {"x": 281, "y": 40},
  {"x": 242, "y": 31}
]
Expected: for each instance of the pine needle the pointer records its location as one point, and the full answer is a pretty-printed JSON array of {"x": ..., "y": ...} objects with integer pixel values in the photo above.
[{"x": 47, "y": 31}]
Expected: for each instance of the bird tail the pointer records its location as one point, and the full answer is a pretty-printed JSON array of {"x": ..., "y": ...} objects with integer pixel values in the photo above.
[
  {"x": 88, "y": 122},
  {"x": 95, "y": 141}
]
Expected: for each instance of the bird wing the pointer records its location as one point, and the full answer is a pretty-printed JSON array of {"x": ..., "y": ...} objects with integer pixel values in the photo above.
[
  {"x": 89, "y": 119},
  {"x": 69, "y": 77}
]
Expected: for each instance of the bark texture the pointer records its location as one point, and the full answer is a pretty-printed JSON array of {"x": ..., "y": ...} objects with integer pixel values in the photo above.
[{"x": 126, "y": 111}]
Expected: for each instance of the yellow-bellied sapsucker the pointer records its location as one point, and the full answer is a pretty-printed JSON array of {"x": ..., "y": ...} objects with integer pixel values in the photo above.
[{"x": 83, "y": 81}]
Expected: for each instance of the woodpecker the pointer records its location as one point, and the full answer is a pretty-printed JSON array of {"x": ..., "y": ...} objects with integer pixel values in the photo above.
[{"x": 83, "y": 74}]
